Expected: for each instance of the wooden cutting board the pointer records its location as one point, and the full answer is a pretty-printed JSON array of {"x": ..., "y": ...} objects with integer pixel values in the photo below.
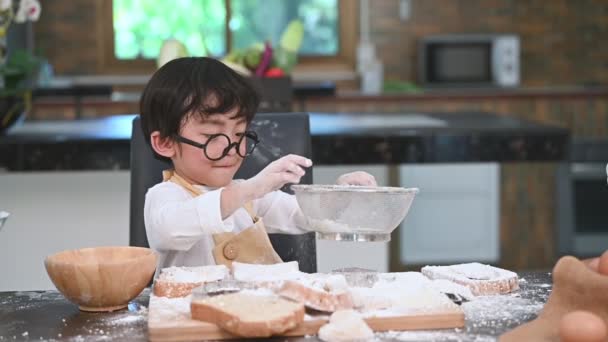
[{"x": 184, "y": 329}]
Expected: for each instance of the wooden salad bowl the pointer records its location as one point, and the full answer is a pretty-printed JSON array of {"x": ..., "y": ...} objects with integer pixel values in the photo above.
[{"x": 101, "y": 278}]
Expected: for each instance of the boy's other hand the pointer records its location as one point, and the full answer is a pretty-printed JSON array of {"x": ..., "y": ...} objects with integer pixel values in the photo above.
[
  {"x": 357, "y": 178},
  {"x": 288, "y": 169}
]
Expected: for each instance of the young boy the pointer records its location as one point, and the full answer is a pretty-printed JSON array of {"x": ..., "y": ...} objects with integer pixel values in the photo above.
[{"x": 196, "y": 112}]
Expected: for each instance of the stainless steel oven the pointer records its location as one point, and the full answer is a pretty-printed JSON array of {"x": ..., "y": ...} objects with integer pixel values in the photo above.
[{"x": 582, "y": 200}]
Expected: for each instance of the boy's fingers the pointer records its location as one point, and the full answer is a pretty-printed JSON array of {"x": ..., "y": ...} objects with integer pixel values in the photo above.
[
  {"x": 303, "y": 161},
  {"x": 290, "y": 178},
  {"x": 294, "y": 168}
]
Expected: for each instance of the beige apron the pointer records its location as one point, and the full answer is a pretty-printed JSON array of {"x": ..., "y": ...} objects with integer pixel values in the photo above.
[{"x": 251, "y": 245}]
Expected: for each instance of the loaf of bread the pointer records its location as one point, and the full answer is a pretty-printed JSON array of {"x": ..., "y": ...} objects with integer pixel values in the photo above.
[
  {"x": 175, "y": 282},
  {"x": 249, "y": 313},
  {"x": 482, "y": 280},
  {"x": 322, "y": 292}
]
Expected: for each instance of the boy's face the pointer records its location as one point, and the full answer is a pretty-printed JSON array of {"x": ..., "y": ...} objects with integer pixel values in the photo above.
[{"x": 193, "y": 164}]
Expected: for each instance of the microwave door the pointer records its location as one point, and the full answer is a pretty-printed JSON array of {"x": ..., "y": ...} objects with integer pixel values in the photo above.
[{"x": 464, "y": 64}]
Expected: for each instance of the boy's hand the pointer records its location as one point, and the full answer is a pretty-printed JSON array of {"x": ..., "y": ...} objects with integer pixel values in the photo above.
[
  {"x": 357, "y": 178},
  {"x": 288, "y": 169}
]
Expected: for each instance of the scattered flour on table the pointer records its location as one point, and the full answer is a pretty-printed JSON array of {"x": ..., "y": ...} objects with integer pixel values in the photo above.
[
  {"x": 128, "y": 317},
  {"x": 486, "y": 317}
]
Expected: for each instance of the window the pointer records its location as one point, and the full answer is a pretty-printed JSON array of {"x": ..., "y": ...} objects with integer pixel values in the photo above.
[{"x": 134, "y": 30}]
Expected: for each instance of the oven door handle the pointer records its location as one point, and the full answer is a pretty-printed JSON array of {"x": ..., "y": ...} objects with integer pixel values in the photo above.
[{"x": 588, "y": 170}]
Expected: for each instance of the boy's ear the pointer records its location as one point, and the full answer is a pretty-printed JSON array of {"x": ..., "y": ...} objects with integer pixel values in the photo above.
[{"x": 163, "y": 146}]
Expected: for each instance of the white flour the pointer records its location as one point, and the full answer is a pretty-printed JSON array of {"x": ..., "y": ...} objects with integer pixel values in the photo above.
[
  {"x": 127, "y": 318},
  {"x": 488, "y": 315},
  {"x": 328, "y": 226},
  {"x": 333, "y": 283},
  {"x": 167, "y": 309},
  {"x": 194, "y": 274},
  {"x": 473, "y": 270},
  {"x": 447, "y": 335},
  {"x": 257, "y": 273},
  {"x": 485, "y": 316}
]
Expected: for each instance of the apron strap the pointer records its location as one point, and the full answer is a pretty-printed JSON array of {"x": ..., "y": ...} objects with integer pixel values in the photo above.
[
  {"x": 172, "y": 176},
  {"x": 249, "y": 207}
]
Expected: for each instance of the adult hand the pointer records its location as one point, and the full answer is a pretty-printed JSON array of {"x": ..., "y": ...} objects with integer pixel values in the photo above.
[{"x": 357, "y": 178}]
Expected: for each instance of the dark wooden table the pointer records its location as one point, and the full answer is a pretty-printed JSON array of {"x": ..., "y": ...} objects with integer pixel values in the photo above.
[{"x": 47, "y": 315}]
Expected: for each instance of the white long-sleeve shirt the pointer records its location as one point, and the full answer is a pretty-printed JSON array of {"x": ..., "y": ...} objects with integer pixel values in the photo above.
[{"x": 180, "y": 227}]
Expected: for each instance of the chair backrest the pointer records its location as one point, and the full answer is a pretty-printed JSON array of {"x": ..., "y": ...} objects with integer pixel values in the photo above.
[
  {"x": 280, "y": 134},
  {"x": 276, "y": 94}
]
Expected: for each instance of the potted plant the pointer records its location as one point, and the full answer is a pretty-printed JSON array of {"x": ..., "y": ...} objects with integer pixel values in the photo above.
[{"x": 16, "y": 69}]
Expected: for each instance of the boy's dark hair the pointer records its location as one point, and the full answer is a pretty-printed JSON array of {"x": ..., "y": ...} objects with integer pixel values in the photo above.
[{"x": 183, "y": 86}]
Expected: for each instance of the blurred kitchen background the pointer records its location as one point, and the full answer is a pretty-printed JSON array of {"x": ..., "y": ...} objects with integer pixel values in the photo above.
[{"x": 540, "y": 61}]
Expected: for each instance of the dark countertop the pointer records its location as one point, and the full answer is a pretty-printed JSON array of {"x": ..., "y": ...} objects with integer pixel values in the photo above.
[
  {"x": 337, "y": 138},
  {"x": 466, "y": 93},
  {"x": 48, "y": 315}
]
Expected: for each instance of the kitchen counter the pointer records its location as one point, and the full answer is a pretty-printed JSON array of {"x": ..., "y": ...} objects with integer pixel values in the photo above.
[
  {"x": 337, "y": 138},
  {"x": 49, "y": 316}
]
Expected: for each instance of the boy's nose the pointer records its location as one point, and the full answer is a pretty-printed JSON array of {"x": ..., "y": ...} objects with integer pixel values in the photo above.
[{"x": 231, "y": 149}]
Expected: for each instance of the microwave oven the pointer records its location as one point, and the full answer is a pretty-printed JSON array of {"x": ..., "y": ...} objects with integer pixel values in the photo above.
[{"x": 469, "y": 60}]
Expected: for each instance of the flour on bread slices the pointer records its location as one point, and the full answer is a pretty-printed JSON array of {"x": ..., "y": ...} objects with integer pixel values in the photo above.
[
  {"x": 249, "y": 313},
  {"x": 266, "y": 273},
  {"x": 175, "y": 282},
  {"x": 346, "y": 325},
  {"x": 321, "y": 292},
  {"x": 481, "y": 279},
  {"x": 401, "y": 294}
]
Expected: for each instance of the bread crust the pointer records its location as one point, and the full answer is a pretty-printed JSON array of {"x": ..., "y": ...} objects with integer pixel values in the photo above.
[
  {"x": 315, "y": 298},
  {"x": 504, "y": 281},
  {"x": 173, "y": 282},
  {"x": 171, "y": 289}
]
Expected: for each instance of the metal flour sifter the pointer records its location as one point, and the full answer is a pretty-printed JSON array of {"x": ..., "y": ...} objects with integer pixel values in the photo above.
[{"x": 354, "y": 213}]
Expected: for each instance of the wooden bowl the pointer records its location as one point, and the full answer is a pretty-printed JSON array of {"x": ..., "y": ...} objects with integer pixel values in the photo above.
[{"x": 101, "y": 278}]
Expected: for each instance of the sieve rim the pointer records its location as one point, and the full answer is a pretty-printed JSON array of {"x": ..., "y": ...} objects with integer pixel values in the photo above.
[{"x": 333, "y": 188}]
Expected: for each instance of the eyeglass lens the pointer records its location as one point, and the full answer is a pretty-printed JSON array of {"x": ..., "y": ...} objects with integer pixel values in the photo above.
[{"x": 219, "y": 146}]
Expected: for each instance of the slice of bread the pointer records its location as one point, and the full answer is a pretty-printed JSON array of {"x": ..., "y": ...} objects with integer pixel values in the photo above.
[
  {"x": 482, "y": 280},
  {"x": 320, "y": 292},
  {"x": 249, "y": 314},
  {"x": 405, "y": 293},
  {"x": 266, "y": 273},
  {"x": 175, "y": 282},
  {"x": 346, "y": 325}
]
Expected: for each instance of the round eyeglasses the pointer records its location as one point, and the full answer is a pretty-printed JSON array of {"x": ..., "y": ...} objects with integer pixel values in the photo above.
[{"x": 219, "y": 145}]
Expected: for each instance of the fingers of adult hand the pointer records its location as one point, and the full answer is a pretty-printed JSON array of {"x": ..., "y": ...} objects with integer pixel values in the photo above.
[
  {"x": 592, "y": 263},
  {"x": 357, "y": 178},
  {"x": 370, "y": 180}
]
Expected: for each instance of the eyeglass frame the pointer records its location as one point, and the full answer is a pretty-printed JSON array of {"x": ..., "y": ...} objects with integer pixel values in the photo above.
[{"x": 249, "y": 134}]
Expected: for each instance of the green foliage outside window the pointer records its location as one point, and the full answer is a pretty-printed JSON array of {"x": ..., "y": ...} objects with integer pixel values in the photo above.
[{"x": 141, "y": 26}]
